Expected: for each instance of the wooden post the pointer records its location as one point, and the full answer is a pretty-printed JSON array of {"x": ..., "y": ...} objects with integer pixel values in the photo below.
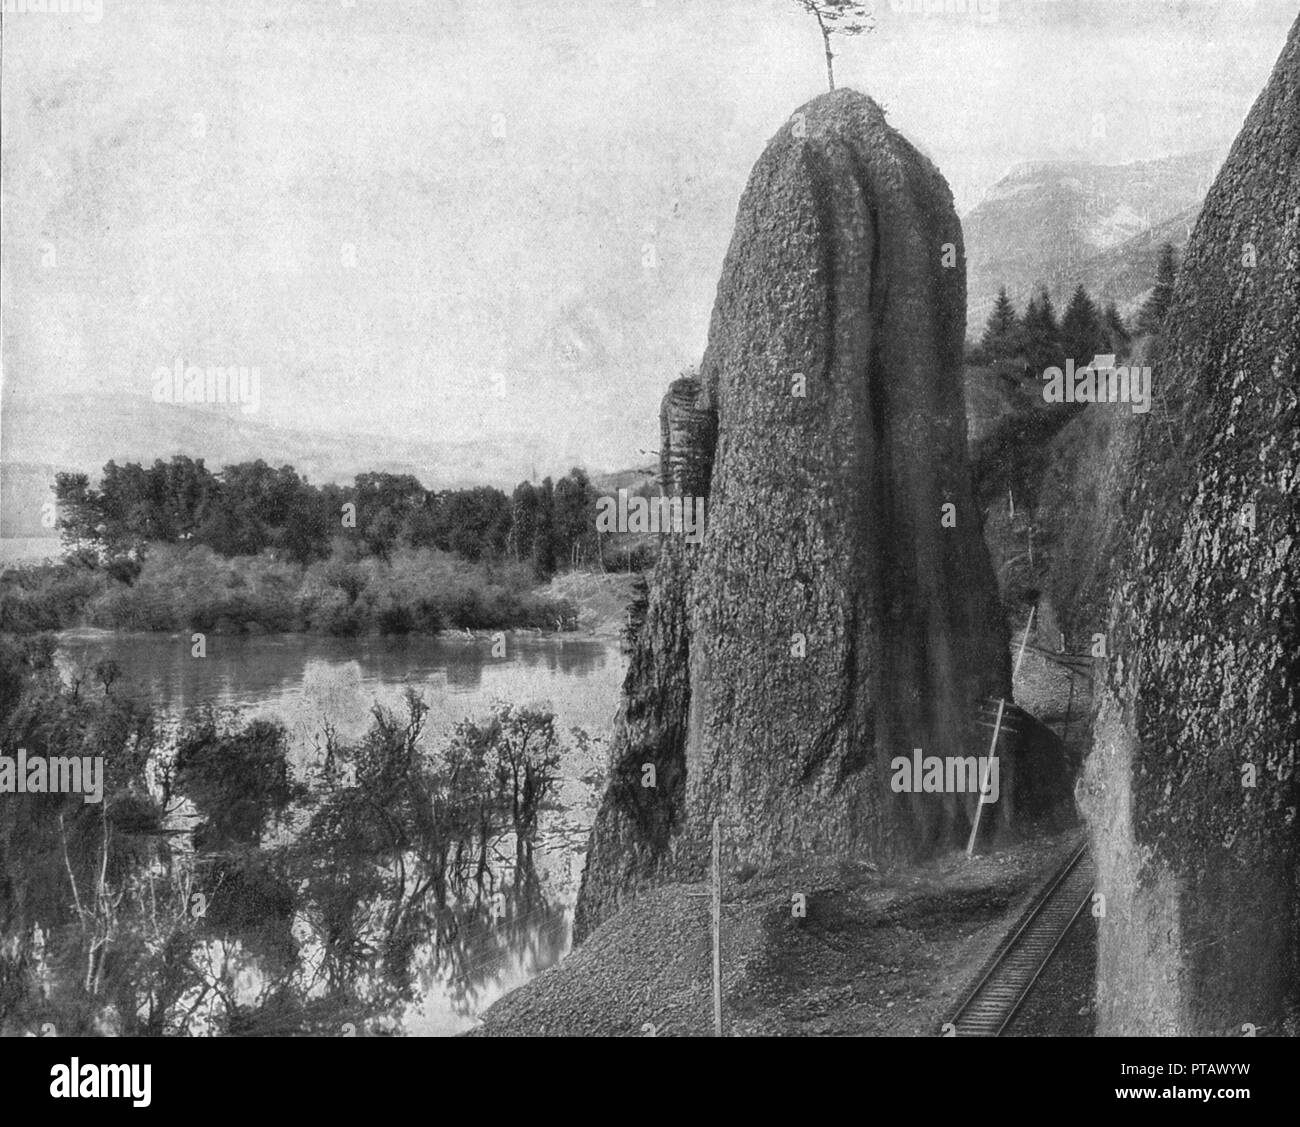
[
  {"x": 717, "y": 928},
  {"x": 997, "y": 727},
  {"x": 984, "y": 781},
  {"x": 1020, "y": 656}
]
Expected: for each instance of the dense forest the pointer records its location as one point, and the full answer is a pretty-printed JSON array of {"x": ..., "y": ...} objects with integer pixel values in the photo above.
[
  {"x": 247, "y": 508},
  {"x": 1018, "y": 348}
]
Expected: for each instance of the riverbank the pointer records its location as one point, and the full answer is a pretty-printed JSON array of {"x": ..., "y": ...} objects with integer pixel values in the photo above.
[
  {"x": 176, "y": 589},
  {"x": 878, "y": 953},
  {"x": 415, "y": 591},
  {"x": 600, "y": 599}
]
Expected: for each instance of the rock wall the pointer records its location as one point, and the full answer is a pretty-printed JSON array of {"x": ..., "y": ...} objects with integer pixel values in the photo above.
[
  {"x": 1190, "y": 789},
  {"x": 687, "y": 435},
  {"x": 832, "y": 618}
]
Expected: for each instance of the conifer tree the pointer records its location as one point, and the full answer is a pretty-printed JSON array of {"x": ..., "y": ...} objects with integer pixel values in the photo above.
[
  {"x": 1042, "y": 334},
  {"x": 1047, "y": 311},
  {"x": 999, "y": 340},
  {"x": 1118, "y": 336},
  {"x": 1082, "y": 336},
  {"x": 1157, "y": 305}
]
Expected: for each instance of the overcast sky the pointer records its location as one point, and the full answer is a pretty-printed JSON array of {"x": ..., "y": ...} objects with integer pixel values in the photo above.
[{"x": 432, "y": 218}]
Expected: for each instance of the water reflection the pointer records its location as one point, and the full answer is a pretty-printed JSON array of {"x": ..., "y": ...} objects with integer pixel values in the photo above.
[
  {"x": 580, "y": 676},
  {"x": 311, "y": 918}
]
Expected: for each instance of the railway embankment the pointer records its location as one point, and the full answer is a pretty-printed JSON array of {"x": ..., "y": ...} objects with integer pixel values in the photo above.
[{"x": 876, "y": 953}]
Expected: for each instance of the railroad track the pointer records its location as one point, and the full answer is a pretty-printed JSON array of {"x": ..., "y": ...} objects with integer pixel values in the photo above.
[
  {"x": 1083, "y": 664},
  {"x": 1023, "y": 955}
]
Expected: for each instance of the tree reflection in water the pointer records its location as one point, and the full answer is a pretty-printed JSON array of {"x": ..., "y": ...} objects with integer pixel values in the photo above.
[{"x": 211, "y": 892}]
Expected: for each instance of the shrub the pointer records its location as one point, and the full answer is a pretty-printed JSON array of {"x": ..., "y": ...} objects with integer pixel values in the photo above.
[
  {"x": 191, "y": 587},
  {"x": 236, "y": 776},
  {"x": 48, "y": 596},
  {"x": 395, "y": 619}
]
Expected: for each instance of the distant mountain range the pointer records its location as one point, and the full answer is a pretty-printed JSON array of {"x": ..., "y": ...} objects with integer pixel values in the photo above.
[
  {"x": 86, "y": 430},
  {"x": 1059, "y": 223}
]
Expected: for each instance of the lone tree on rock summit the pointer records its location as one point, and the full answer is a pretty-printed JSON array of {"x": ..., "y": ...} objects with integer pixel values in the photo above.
[{"x": 838, "y": 17}]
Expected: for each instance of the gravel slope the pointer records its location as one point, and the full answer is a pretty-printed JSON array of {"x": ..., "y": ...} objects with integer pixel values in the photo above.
[{"x": 878, "y": 954}]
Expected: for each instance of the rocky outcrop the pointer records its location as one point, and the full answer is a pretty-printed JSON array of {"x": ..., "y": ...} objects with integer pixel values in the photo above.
[
  {"x": 841, "y": 609},
  {"x": 1190, "y": 789},
  {"x": 687, "y": 434}
]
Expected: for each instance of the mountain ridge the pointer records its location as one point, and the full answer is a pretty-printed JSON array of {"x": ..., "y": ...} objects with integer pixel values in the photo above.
[{"x": 1059, "y": 223}]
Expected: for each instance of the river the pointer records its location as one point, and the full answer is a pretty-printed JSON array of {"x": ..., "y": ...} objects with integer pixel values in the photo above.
[{"x": 304, "y": 681}]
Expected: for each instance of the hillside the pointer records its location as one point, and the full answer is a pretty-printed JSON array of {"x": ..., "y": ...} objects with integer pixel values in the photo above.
[
  {"x": 1058, "y": 223},
  {"x": 84, "y": 431}
]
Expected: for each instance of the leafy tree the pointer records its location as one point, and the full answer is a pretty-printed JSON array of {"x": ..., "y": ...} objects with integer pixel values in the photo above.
[
  {"x": 312, "y": 517},
  {"x": 838, "y": 17},
  {"x": 77, "y": 506},
  {"x": 251, "y": 507},
  {"x": 182, "y": 491},
  {"x": 523, "y": 520},
  {"x": 543, "y": 547},
  {"x": 528, "y": 755},
  {"x": 575, "y": 524},
  {"x": 237, "y": 777},
  {"x": 522, "y": 750},
  {"x": 168, "y": 501},
  {"x": 66, "y": 865},
  {"x": 124, "y": 505},
  {"x": 386, "y": 505},
  {"x": 1153, "y": 311},
  {"x": 253, "y": 502},
  {"x": 474, "y": 523}
]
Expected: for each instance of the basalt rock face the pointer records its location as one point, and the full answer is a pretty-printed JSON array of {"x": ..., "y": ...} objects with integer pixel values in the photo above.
[
  {"x": 832, "y": 618},
  {"x": 687, "y": 435},
  {"x": 1190, "y": 789}
]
